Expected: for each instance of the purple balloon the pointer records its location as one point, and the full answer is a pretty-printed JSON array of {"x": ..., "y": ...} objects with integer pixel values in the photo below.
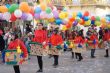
[
  {"x": 75, "y": 23},
  {"x": 1, "y": 15},
  {"x": 24, "y": 16},
  {"x": 55, "y": 13},
  {"x": 37, "y": 16}
]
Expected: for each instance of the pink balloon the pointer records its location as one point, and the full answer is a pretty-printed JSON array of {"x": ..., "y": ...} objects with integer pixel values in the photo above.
[{"x": 55, "y": 13}]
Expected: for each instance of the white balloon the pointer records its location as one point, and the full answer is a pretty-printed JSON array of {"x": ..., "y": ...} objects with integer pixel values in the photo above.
[
  {"x": 30, "y": 17},
  {"x": 50, "y": 15},
  {"x": 6, "y": 16},
  {"x": 43, "y": 15},
  {"x": 18, "y": 13}
]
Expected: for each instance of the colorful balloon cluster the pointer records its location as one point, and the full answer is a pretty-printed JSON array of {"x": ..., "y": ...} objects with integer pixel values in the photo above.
[{"x": 43, "y": 11}]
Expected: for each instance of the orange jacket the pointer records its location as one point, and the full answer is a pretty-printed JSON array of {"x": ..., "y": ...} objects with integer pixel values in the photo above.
[
  {"x": 14, "y": 44},
  {"x": 40, "y": 36},
  {"x": 56, "y": 39}
]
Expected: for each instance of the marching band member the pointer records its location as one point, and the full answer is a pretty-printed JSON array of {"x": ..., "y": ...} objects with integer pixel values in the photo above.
[
  {"x": 56, "y": 41},
  {"x": 13, "y": 45},
  {"x": 40, "y": 36}
]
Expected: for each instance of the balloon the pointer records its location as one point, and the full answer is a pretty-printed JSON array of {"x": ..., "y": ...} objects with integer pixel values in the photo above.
[
  {"x": 65, "y": 21},
  {"x": 86, "y": 13},
  {"x": 24, "y": 16},
  {"x": 18, "y": 13},
  {"x": 77, "y": 18},
  {"x": 43, "y": 15},
  {"x": 74, "y": 14},
  {"x": 97, "y": 23},
  {"x": 13, "y": 7},
  {"x": 24, "y": 7},
  {"x": 92, "y": 18},
  {"x": 3, "y": 9},
  {"x": 62, "y": 15},
  {"x": 75, "y": 23},
  {"x": 7, "y": 5},
  {"x": 55, "y": 13},
  {"x": 86, "y": 18},
  {"x": 37, "y": 10},
  {"x": 93, "y": 22},
  {"x": 65, "y": 9},
  {"x": 87, "y": 23},
  {"x": 51, "y": 20},
  {"x": 6, "y": 16},
  {"x": 48, "y": 10},
  {"x": 58, "y": 21},
  {"x": 79, "y": 14},
  {"x": 97, "y": 18},
  {"x": 81, "y": 21},
  {"x": 68, "y": 26},
  {"x": 31, "y": 11},
  {"x": 103, "y": 20},
  {"x": 64, "y": 28},
  {"x": 50, "y": 15},
  {"x": 13, "y": 17},
  {"x": 54, "y": 8},
  {"x": 37, "y": 16},
  {"x": 43, "y": 6},
  {"x": 1, "y": 15},
  {"x": 30, "y": 17},
  {"x": 71, "y": 19}
]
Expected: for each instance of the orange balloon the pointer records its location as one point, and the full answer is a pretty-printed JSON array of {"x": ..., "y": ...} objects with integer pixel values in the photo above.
[
  {"x": 24, "y": 7},
  {"x": 43, "y": 6},
  {"x": 103, "y": 20},
  {"x": 3, "y": 9}
]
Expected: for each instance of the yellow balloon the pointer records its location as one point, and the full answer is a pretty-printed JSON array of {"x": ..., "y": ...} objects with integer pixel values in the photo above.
[
  {"x": 43, "y": 6},
  {"x": 74, "y": 14},
  {"x": 71, "y": 45},
  {"x": 108, "y": 25},
  {"x": 97, "y": 23},
  {"x": 64, "y": 28},
  {"x": 51, "y": 20},
  {"x": 87, "y": 23},
  {"x": 62, "y": 15}
]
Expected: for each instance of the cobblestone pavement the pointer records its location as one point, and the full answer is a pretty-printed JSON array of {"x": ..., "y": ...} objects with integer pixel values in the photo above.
[{"x": 66, "y": 64}]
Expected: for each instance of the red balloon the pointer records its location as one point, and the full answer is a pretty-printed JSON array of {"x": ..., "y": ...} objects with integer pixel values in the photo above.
[
  {"x": 86, "y": 13},
  {"x": 71, "y": 19},
  {"x": 93, "y": 18},
  {"x": 68, "y": 25},
  {"x": 13, "y": 17}
]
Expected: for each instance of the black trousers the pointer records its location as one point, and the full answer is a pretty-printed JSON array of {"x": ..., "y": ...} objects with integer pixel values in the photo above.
[
  {"x": 79, "y": 55},
  {"x": 107, "y": 52},
  {"x": 92, "y": 52},
  {"x": 40, "y": 62},
  {"x": 16, "y": 68},
  {"x": 74, "y": 55},
  {"x": 56, "y": 59}
]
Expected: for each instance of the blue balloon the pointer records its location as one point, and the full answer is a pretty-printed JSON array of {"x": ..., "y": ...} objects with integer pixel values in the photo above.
[
  {"x": 38, "y": 10},
  {"x": 79, "y": 14},
  {"x": 86, "y": 18},
  {"x": 93, "y": 22},
  {"x": 7, "y": 5},
  {"x": 65, "y": 46},
  {"x": 58, "y": 21}
]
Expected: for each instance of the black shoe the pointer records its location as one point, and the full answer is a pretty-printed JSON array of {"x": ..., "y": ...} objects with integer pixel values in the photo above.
[
  {"x": 40, "y": 70},
  {"x": 80, "y": 59},
  {"x": 106, "y": 56},
  {"x": 93, "y": 57},
  {"x": 55, "y": 66}
]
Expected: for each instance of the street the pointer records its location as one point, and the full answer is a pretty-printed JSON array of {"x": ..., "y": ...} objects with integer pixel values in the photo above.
[{"x": 100, "y": 64}]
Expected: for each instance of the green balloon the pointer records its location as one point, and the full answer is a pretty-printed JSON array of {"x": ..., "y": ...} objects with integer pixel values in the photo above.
[
  {"x": 13, "y": 7},
  {"x": 48, "y": 10},
  {"x": 97, "y": 18},
  {"x": 97, "y": 23}
]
